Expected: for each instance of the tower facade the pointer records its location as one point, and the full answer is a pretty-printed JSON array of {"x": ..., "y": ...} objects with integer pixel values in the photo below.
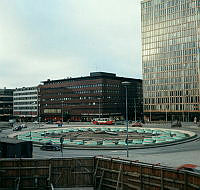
[{"x": 171, "y": 59}]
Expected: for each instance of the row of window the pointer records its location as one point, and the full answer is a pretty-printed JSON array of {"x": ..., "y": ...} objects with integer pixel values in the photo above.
[
  {"x": 170, "y": 67},
  {"x": 186, "y": 24},
  {"x": 25, "y": 98},
  {"x": 167, "y": 34},
  {"x": 175, "y": 86},
  {"x": 25, "y": 103},
  {"x": 26, "y": 89},
  {"x": 171, "y": 74},
  {"x": 25, "y": 108},
  {"x": 190, "y": 13},
  {"x": 83, "y": 92},
  {"x": 169, "y": 61},
  {"x": 24, "y": 93},
  {"x": 85, "y": 86},
  {"x": 163, "y": 46},
  {"x": 172, "y": 100},
  {"x": 171, "y": 107},
  {"x": 186, "y": 93}
]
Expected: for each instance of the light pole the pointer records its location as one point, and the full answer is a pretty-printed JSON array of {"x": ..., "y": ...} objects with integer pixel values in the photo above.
[
  {"x": 62, "y": 111},
  {"x": 126, "y": 84},
  {"x": 135, "y": 109},
  {"x": 99, "y": 106}
]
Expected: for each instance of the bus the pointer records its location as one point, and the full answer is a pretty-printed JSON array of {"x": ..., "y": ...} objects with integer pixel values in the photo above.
[{"x": 103, "y": 121}]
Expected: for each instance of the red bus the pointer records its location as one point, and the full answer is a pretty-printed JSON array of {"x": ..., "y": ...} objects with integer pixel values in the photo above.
[{"x": 103, "y": 121}]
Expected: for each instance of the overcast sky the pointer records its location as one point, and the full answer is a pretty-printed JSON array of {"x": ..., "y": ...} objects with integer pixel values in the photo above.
[{"x": 54, "y": 39}]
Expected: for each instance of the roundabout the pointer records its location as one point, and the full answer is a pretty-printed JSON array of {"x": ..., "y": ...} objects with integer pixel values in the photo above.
[{"x": 106, "y": 137}]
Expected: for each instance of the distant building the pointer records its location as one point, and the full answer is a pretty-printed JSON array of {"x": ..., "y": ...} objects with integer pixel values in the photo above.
[
  {"x": 25, "y": 103},
  {"x": 171, "y": 59},
  {"x": 84, "y": 98},
  {"x": 6, "y": 104}
]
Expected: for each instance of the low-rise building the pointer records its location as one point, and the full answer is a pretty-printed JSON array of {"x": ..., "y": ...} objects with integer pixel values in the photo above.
[
  {"x": 25, "y": 103},
  {"x": 6, "y": 104},
  {"x": 84, "y": 98}
]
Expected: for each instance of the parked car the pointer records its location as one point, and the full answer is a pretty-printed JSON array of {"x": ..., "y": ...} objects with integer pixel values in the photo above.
[
  {"x": 35, "y": 122},
  {"x": 136, "y": 124},
  {"x": 50, "y": 146},
  {"x": 190, "y": 167},
  {"x": 17, "y": 128}
]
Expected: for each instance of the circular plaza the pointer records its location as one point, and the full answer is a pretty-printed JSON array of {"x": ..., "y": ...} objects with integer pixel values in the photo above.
[{"x": 105, "y": 137}]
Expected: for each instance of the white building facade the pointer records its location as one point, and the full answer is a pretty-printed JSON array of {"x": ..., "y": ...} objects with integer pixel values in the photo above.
[{"x": 25, "y": 103}]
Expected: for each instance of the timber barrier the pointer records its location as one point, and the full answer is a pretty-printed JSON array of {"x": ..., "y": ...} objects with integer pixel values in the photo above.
[{"x": 99, "y": 173}]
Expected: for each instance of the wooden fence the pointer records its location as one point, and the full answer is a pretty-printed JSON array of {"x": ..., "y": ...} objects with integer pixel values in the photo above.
[
  {"x": 98, "y": 172},
  {"x": 125, "y": 174},
  {"x": 46, "y": 173}
]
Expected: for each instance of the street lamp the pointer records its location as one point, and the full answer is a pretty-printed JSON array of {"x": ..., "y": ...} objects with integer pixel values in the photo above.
[
  {"x": 135, "y": 109},
  {"x": 99, "y": 106},
  {"x": 126, "y": 84},
  {"x": 62, "y": 111}
]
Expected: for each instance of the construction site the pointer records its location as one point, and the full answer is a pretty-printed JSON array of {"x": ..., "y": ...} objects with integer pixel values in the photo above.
[{"x": 92, "y": 173}]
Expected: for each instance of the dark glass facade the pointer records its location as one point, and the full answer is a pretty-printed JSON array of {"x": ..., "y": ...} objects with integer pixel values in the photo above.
[
  {"x": 171, "y": 59},
  {"x": 6, "y": 104},
  {"x": 84, "y": 98}
]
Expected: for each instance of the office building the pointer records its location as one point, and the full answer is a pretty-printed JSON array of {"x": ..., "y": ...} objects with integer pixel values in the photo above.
[
  {"x": 171, "y": 59},
  {"x": 6, "y": 104},
  {"x": 84, "y": 98},
  {"x": 25, "y": 103}
]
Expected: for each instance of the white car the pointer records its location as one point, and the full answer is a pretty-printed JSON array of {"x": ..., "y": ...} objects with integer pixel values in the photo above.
[{"x": 35, "y": 122}]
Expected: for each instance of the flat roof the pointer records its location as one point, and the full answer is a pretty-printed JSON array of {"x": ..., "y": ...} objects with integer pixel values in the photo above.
[{"x": 93, "y": 75}]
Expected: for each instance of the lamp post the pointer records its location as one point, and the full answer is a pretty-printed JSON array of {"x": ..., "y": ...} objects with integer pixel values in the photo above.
[
  {"x": 135, "y": 109},
  {"x": 99, "y": 106},
  {"x": 62, "y": 111},
  {"x": 126, "y": 84}
]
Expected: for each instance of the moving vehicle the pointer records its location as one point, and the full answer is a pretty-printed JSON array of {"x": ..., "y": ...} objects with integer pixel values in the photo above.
[
  {"x": 190, "y": 167},
  {"x": 103, "y": 121},
  {"x": 50, "y": 146},
  {"x": 17, "y": 128}
]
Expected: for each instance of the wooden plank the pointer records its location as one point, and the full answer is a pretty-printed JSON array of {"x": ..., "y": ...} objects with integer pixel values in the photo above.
[
  {"x": 109, "y": 170},
  {"x": 108, "y": 185},
  {"x": 162, "y": 184},
  {"x": 185, "y": 181},
  {"x": 101, "y": 180},
  {"x": 134, "y": 180},
  {"x": 95, "y": 173},
  {"x": 119, "y": 175},
  {"x": 132, "y": 186},
  {"x": 24, "y": 168},
  {"x": 141, "y": 186},
  {"x": 173, "y": 181},
  {"x": 18, "y": 184},
  {"x": 132, "y": 174},
  {"x": 171, "y": 188},
  {"x": 193, "y": 185}
]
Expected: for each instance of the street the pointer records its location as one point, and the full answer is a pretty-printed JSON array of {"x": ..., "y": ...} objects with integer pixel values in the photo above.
[{"x": 174, "y": 155}]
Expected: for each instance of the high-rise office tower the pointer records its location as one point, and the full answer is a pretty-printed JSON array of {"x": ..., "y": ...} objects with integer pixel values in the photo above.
[{"x": 171, "y": 59}]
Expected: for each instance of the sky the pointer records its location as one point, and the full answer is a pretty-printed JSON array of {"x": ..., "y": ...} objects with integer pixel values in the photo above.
[{"x": 56, "y": 39}]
